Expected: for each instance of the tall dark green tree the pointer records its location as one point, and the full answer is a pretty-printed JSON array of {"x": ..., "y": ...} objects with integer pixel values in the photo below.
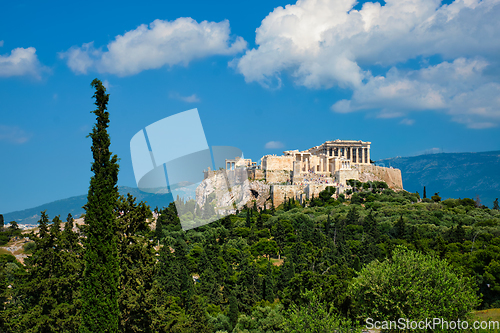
[
  {"x": 233, "y": 310},
  {"x": 100, "y": 311},
  {"x": 495, "y": 206},
  {"x": 400, "y": 228},
  {"x": 248, "y": 221},
  {"x": 425, "y": 193},
  {"x": 137, "y": 259}
]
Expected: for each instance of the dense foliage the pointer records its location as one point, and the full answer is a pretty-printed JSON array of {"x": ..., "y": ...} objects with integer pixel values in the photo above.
[{"x": 272, "y": 271}]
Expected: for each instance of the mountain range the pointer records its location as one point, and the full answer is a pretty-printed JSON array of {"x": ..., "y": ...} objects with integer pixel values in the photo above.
[
  {"x": 453, "y": 175},
  {"x": 74, "y": 205}
]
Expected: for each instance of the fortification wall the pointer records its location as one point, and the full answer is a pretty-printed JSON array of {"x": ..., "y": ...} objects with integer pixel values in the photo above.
[
  {"x": 342, "y": 176},
  {"x": 278, "y": 163},
  {"x": 372, "y": 172},
  {"x": 314, "y": 190},
  {"x": 256, "y": 174},
  {"x": 278, "y": 193},
  {"x": 277, "y": 176}
]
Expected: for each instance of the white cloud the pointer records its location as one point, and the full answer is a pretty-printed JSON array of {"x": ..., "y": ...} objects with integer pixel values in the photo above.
[
  {"x": 162, "y": 43},
  {"x": 1, "y": 43},
  {"x": 106, "y": 84},
  {"x": 188, "y": 99},
  {"x": 460, "y": 89},
  {"x": 407, "y": 121},
  {"x": 21, "y": 62},
  {"x": 325, "y": 43},
  {"x": 13, "y": 134},
  {"x": 274, "y": 145}
]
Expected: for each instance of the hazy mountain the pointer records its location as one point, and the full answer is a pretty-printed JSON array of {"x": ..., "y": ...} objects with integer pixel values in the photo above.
[
  {"x": 74, "y": 206},
  {"x": 453, "y": 175}
]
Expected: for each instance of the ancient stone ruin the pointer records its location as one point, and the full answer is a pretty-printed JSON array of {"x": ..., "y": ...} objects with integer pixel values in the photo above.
[{"x": 303, "y": 174}]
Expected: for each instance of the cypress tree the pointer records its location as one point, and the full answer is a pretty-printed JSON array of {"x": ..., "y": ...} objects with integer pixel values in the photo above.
[
  {"x": 260, "y": 222},
  {"x": 425, "y": 193},
  {"x": 248, "y": 222},
  {"x": 100, "y": 312},
  {"x": 400, "y": 228},
  {"x": 233, "y": 310}
]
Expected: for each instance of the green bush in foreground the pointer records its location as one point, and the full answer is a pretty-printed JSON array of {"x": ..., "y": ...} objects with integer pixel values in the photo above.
[{"x": 413, "y": 286}]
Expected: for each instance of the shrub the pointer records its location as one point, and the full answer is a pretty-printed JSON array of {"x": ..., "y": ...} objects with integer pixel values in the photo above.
[
  {"x": 412, "y": 285},
  {"x": 29, "y": 247}
]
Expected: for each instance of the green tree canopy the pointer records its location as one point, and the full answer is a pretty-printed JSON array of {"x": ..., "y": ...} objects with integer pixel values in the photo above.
[{"x": 412, "y": 285}]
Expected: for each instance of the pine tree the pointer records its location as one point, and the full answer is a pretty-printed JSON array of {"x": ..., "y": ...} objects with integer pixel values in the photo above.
[
  {"x": 69, "y": 237},
  {"x": 352, "y": 216},
  {"x": 268, "y": 284},
  {"x": 37, "y": 303},
  {"x": 100, "y": 311},
  {"x": 137, "y": 260},
  {"x": 233, "y": 310},
  {"x": 371, "y": 228},
  {"x": 49, "y": 289}
]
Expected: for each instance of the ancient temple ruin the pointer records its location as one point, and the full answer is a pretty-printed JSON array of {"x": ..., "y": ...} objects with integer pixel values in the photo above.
[{"x": 303, "y": 174}]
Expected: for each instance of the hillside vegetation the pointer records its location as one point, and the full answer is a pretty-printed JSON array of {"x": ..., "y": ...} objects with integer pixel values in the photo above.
[{"x": 265, "y": 271}]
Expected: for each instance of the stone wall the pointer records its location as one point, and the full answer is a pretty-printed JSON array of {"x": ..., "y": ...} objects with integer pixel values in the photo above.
[
  {"x": 389, "y": 175},
  {"x": 342, "y": 176},
  {"x": 277, "y": 176},
  {"x": 271, "y": 162},
  {"x": 314, "y": 190},
  {"x": 256, "y": 174},
  {"x": 278, "y": 193}
]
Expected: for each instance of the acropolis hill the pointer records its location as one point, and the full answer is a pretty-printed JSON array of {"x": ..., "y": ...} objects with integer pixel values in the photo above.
[{"x": 304, "y": 174}]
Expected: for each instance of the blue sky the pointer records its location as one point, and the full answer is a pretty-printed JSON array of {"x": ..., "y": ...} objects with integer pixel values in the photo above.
[{"x": 410, "y": 76}]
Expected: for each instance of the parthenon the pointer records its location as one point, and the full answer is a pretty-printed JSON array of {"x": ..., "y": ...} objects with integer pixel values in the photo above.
[
  {"x": 357, "y": 152},
  {"x": 327, "y": 158}
]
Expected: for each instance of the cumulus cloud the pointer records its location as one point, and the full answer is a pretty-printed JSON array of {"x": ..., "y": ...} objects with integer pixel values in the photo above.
[
  {"x": 150, "y": 47},
  {"x": 326, "y": 43},
  {"x": 21, "y": 62},
  {"x": 13, "y": 134},
  {"x": 460, "y": 88},
  {"x": 274, "y": 145},
  {"x": 188, "y": 99}
]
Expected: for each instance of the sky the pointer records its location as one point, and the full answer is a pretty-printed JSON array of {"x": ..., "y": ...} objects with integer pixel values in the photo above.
[{"x": 410, "y": 76}]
